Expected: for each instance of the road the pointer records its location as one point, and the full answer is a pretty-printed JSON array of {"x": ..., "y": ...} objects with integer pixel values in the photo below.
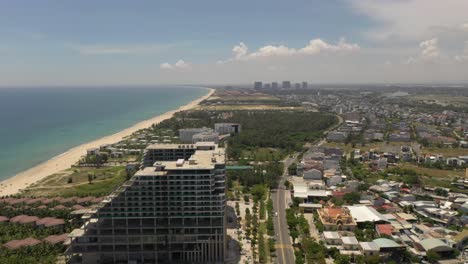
[{"x": 284, "y": 249}]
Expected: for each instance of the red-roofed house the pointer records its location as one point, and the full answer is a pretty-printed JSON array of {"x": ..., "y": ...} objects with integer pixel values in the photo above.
[
  {"x": 15, "y": 244},
  {"x": 85, "y": 200},
  {"x": 54, "y": 239},
  {"x": 60, "y": 207},
  {"x": 77, "y": 207},
  {"x": 50, "y": 222},
  {"x": 384, "y": 229},
  {"x": 33, "y": 201},
  {"x": 24, "y": 219}
]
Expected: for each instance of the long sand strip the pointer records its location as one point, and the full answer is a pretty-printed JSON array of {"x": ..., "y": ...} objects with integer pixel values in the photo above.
[{"x": 64, "y": 161}]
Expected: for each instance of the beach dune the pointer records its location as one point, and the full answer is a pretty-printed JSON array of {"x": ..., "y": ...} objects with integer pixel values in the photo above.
[{"x": 65, "y": 160}]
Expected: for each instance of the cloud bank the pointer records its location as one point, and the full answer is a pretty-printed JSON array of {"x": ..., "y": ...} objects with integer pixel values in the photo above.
[
  {"x": 314, "y": 47},
  {"x": 180, "y": 64}
]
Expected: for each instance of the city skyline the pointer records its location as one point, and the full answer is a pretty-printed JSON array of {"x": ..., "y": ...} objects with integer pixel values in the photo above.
[{"x": 146, "y": 43}]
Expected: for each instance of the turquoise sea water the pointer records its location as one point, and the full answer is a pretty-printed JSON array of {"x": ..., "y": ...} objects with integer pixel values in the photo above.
[{"x": 37, "y": 124}]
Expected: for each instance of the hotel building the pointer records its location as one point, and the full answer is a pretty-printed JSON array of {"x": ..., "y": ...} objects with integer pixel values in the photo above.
[{"x": 170, "y": 212}]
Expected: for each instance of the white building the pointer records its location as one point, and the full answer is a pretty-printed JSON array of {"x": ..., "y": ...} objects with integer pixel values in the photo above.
[
  {"x": 186, "y": 134},
  {"x": 227, "y": 128},
  {"x": 205, "y": 137}
]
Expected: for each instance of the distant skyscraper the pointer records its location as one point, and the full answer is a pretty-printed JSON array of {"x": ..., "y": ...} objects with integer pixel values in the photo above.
[
  {"x": 274, "y": 85},
  {"x": 267, "y": 86},
  {"x": 304, "y": 85},
  {"x": 297, "y": 86},
  {"x": 258, "y": 85},
  {"x": 286, "y": 85}
]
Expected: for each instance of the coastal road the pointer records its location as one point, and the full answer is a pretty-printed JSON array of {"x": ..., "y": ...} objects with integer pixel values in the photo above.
[{"x": 284, "y": 249}]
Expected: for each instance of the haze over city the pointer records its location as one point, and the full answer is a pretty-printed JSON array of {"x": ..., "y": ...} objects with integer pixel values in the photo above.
[{"x": 208, "y": 42}]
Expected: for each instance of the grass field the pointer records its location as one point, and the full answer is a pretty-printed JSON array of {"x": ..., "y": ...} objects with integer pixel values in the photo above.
[
  {"x": 446, "y": 152},
  {"x": 442, "y": 100},
  {"x": 262, "y": 154},
  {"x": 243, "y": 98},
  {"x": 106, "y": 179},
  {"x": 248, "y": 107},
  {"x": 434, "y": 172}
]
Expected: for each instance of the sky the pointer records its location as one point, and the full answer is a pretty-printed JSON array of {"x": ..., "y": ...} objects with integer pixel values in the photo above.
[{"x": 113, "y": 42}]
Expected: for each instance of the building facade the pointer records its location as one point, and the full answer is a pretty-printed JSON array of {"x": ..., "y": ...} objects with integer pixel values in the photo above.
[
  {"x": 171, "y": 212},
  {"x": 186, "y": 134},
  {"x": 227, "y": 128}
]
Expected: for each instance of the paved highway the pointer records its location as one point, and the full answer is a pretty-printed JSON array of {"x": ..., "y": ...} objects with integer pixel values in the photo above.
[{"x": 284, "y": 249}]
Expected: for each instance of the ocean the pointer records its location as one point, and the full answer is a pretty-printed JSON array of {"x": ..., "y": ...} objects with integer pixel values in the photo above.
[{"x": 37, "y": 124}]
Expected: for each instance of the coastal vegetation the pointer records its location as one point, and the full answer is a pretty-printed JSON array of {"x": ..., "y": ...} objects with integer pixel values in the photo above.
[
  {"x": 266, "y": 135},
  {"x": 79, "y": 181}
]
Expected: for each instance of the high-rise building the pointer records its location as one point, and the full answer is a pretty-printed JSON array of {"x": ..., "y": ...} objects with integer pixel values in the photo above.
[
  {"x": 304, "y": 85},
  {"x": 258, "y": 85},
  {"x": 170, "y": 212},
  {"x": 297, "y": 86},
  {"x": 274, "y": 85},
  {"x": 267, "y": 86},
  {"x": 286, "y": 85}
]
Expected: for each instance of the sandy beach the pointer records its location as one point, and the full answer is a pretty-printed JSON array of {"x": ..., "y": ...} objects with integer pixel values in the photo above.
[{"x": 65, "y": 160}]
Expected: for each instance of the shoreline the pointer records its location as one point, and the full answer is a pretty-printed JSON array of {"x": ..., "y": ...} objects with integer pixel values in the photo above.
[{"x": 63, "y": 161}]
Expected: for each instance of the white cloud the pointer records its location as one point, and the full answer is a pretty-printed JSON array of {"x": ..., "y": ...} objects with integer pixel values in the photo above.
[
  {"x": 239, "y": 50},
  {"x": 166, "y": 66},
  {"x": 116, "y": 50},
  {"x": 464, "y": 55},
  {"x": 315, "y": 46},
  {"x": 180, "y": 64},
  {"x": 430, "y": 49},
  {"x": 411, "y": 19}
]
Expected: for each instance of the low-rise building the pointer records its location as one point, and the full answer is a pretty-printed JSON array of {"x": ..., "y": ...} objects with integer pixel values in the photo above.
[
  {"x": 336, "y": 218},
  {"x": 369, "y": 248},
  {"x": 332, "y": 238}
]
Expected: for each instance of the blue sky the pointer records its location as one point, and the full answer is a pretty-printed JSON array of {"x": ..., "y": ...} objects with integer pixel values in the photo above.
[{"x": 140, "y": 42}]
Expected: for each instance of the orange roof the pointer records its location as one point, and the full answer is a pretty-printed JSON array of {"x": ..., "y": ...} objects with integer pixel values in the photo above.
[
  {"x": 384, "y": 229},
  {"x": 334, "y": 211}
]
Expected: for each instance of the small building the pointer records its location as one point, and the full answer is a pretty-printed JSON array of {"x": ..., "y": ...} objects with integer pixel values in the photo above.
[
  {"x": 227, "y": 128},
  {"x": 384, "y": 229},
  {"x": 27, "y": 242},
  {"x": 309, "y": 207},
  {"x": 388, "y": 245},
  {"x": 369, "y": 248},
  {"x": 205, "y": 137},
  {"x": 350, "y": 243},
  {"x": 362, "y": 213},
  {"x": 336, "y": 218},
  {"x": 332, "y": 238},
  {"x": 336, "y": 136},
  {"x": 312, "y": 174},
  {"x": 50, "y": 222},
  {"x": 436, "y": 245},
  {"x": 55, "y": 239},
  {"x": 186, "y": 134},
  {"x": 92, "y": 151},
  {"x": 24, "y": 219}
]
